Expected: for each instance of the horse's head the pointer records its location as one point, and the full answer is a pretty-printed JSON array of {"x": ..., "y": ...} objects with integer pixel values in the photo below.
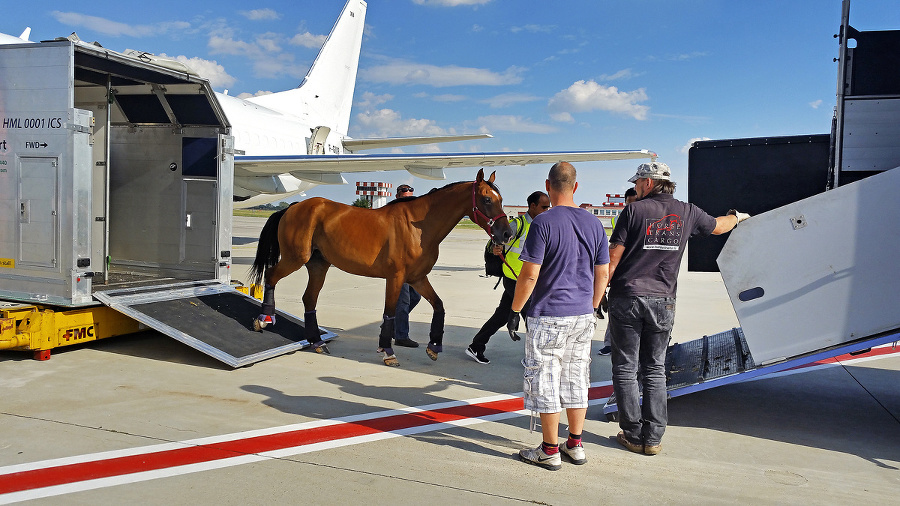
[{"x": 487, "y": 208}]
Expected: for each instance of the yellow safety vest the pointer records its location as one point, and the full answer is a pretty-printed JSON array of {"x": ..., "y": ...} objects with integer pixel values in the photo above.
[{"x": 523, "y": 223}]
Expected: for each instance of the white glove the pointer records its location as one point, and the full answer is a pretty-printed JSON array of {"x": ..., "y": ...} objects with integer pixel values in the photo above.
[{"x": 740, "y": 216}]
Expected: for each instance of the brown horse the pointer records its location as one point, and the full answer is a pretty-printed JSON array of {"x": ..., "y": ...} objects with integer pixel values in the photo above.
[{"x": 398, "y": 242}]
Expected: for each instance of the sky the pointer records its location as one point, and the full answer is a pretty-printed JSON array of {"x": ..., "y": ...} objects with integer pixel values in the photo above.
[{"x": 537, "y": 75}]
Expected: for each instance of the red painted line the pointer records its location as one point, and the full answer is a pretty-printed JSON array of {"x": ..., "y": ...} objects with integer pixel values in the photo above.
[
  {"x": 874, "y": 352},
  {"x": 120, "y": 466}
]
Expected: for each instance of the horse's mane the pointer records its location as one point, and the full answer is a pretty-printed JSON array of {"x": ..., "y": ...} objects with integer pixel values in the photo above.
[{"x": 448, "y": 185}]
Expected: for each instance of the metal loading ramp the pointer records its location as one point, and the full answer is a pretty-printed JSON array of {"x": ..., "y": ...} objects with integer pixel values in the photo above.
[{"x": 212, "y": 318}]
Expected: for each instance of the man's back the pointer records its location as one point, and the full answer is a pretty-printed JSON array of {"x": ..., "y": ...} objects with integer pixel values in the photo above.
[
  {"x": 567, "y": 242},
  {"x": 655, "y": 231}
]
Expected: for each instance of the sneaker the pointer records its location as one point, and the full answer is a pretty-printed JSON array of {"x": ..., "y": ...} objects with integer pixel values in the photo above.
[
  {"x": 537, "y": 457},
  {"x": 636, "y": 448},
  {"x": 477, "y": 356},
  {"x": 409, "y": 343},
  {"x": 576, "y": 454},
  {"x": 606, "y": 350},
  {"x": 652, "y": 449}
]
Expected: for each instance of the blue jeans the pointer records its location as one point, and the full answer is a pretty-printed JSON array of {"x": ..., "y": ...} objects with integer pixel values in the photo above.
[
  {"x": 640, "y": 328},
  {"x": 408, "y": 299}
]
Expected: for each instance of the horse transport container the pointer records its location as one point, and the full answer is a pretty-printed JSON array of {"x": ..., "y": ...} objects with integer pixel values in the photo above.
[{"x": 116, "y": 186}]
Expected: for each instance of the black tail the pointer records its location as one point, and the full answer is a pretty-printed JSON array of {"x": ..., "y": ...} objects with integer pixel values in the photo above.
[{"x": 267, "y": 252}]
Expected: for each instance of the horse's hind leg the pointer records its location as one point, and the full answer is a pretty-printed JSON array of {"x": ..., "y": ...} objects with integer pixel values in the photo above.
[
  {"x": 436, "y": 335},
  {"x": 272, "y": 276},
  {"x": 317, "y": 267}
]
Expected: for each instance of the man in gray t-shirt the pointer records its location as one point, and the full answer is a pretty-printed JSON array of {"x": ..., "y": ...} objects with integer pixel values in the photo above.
[{"x": 645, "y": 252}]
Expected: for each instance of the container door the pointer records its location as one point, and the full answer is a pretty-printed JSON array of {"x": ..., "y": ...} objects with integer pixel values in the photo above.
[
  {"x": 37, "y": 207},
  {"x": 198, "y": 245}
]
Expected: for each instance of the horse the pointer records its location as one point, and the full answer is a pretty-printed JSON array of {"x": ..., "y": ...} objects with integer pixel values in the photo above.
[{"x": 398, "y": 242}]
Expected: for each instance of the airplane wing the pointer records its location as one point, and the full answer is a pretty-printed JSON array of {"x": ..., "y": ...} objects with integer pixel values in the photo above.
[
  {"x": 327, "y": 169},
  {"x": 393, "y": 142}
]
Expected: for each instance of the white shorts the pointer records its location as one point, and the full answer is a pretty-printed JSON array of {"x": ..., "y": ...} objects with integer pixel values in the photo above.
[{"x": 558, "y": 362}]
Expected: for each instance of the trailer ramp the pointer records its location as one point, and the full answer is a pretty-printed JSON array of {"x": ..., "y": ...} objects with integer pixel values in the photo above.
[
  {"x": 212, "y": 318},
  {"x": 724, "y": 358}
]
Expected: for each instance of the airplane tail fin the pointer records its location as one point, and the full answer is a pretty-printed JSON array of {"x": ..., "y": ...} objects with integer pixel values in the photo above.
[
  {"x": 26, "y": 34},
  {"x": 326, "y": 94}
]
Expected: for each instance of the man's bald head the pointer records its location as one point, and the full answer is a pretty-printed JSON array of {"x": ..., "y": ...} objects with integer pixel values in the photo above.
[{"x": 562, "y": 177}]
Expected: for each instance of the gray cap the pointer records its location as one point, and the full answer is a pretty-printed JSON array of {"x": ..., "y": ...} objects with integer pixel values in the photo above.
[{"x": 652, "y": 170}]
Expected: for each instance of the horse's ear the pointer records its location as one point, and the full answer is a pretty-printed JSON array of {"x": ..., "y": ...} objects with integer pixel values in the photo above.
[
  {"x": 480, "y": 177},
  {"x": 493, "y": 175}
]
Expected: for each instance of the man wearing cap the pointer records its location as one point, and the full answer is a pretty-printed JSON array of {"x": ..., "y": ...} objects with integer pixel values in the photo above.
[
  {"x": 645, "y": 250},
  {"x": 409, "y": 297}
]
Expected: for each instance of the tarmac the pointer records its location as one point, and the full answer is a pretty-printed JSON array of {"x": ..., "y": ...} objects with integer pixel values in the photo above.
[{"x": 144, "y": 418}]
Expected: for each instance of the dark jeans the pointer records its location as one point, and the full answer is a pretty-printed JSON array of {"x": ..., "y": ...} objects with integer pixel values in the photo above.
[
  {"x": 499, "y": 318},
  {"x": 640, "y": 328},
  {"x": 409, "y": 298}
]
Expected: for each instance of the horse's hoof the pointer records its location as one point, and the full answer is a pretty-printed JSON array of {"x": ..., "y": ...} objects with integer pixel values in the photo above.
[
  {"x": 260, "y": 322},
  {"x": 432, "y": 350},
  {"x": 391, "y": 361}
]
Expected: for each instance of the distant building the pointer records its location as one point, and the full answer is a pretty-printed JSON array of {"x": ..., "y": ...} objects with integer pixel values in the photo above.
[
  {"x": 375, "y": 193},
  {"x": 604, "y": 212}
]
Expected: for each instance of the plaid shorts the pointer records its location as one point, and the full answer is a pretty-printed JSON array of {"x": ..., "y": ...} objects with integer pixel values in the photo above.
[{"x": 558, "y": 362}]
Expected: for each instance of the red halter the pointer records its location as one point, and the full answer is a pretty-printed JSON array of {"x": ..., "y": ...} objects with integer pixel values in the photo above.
[
  {"x": 490, "y": 223},
  {"x": 477, "y": 213}
]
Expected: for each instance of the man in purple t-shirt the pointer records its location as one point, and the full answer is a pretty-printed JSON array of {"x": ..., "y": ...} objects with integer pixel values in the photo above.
[
  {"x": 565, "y": 271},
  {"x": 645, "y": 252}
]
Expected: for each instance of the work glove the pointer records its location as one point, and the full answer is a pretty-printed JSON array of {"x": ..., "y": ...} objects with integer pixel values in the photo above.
[
  {"x": 740, "y": 216},
  {"x": 512, "y": 325}
]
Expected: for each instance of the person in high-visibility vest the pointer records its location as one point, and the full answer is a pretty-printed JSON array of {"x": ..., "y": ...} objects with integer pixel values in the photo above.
[{"x": 538, "y": 202}]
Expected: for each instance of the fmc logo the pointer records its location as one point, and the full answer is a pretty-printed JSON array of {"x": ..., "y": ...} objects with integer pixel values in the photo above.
[{"x": 78, "y": 334}]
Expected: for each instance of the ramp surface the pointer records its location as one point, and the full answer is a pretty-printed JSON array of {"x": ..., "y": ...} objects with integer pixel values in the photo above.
[{"x": 212, "y": 318}]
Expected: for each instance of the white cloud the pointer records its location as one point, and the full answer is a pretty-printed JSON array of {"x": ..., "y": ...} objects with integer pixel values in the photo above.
[
  {"x": 402, "y": 72},
  {"x": 451, "y": 3},
  {"x": 508, "y": 99},
  {"x": 370, "y": 100},
  {"x": 269, "y": 42},
  {"x": 815, "y": 104},
  {"x": 622, "y": 74},
  {"x": 389, "y": 123},
  {"x": 586, "y": 96},
  {"x": 687, "y": 147},
  {"x": 309, "y": 40},
  {"x": 534, "y": 29},
  {"x": 208, "y": 69},
  {"x": 498, "y": 123},
  {"x": 257, "y": 94},
  {"x": 116, "y": 29},
  {"x": 447, "y": 97},
  {"x": 260, "y": 14},
  {"x": 687, "y": 56},
  {"x": 266, "y": 63}
]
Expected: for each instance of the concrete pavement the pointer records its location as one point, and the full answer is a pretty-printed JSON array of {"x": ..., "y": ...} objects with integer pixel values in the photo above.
[{"x": 341, "y": 428}]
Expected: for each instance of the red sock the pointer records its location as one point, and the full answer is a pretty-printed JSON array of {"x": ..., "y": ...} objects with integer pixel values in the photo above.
[
  {"x": 549, "y": 449},
  {"x": 573, "y": 441}
]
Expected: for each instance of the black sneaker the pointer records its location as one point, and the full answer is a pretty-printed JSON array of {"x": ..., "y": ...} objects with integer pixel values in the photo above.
[
  {"x": 606, "y": 350},
  {"x": 477, "y": 356}
]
